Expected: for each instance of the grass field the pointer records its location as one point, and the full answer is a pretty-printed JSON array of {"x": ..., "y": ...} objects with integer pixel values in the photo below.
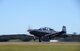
[{"x": 33, "y": 46}]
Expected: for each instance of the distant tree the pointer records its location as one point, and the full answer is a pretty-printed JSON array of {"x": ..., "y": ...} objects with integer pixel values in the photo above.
[
  {"x": 74, "y": 33},
  {"x": 4, "y": 39}
]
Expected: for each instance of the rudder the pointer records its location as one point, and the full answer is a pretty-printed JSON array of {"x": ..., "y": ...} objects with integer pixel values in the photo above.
[{"x": 64, "y": 29}]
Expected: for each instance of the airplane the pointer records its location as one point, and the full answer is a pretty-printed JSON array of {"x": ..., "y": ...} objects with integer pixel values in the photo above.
[{"x": 47, "y": 32}]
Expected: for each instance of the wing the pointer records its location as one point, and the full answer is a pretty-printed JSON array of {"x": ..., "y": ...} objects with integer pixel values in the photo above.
[{"x": 55, "y": 34}]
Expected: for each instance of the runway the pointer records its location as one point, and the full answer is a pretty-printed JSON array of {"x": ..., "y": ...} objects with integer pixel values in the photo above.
[{"x": 40, "y": 43}]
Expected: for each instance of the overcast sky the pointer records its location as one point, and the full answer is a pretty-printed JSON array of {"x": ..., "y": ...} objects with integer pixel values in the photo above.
[{"x": 17, "y": 15}]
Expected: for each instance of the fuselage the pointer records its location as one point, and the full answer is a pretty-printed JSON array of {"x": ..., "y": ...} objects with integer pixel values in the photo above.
[{"x": 41, "y": 32}]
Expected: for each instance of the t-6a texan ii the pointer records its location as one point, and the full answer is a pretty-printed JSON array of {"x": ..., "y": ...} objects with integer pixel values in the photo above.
[{"x": 47, "y": 32}]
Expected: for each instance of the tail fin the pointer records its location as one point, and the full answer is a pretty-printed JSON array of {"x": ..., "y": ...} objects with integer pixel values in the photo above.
[{"x": 64, "y": 29}]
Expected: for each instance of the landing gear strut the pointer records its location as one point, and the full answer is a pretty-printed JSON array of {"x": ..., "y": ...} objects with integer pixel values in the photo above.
[{"x": 39, "y": 39}]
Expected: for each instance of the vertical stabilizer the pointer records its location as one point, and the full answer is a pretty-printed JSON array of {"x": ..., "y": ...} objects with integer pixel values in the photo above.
[{"x": 64, "y": 29}]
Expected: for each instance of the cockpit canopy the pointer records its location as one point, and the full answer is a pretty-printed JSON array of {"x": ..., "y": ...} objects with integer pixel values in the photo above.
[{"x": 46, "y": 28}]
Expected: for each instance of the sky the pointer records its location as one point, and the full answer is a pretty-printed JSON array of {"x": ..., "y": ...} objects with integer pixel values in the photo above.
[{"x": 16, "y": 16}]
